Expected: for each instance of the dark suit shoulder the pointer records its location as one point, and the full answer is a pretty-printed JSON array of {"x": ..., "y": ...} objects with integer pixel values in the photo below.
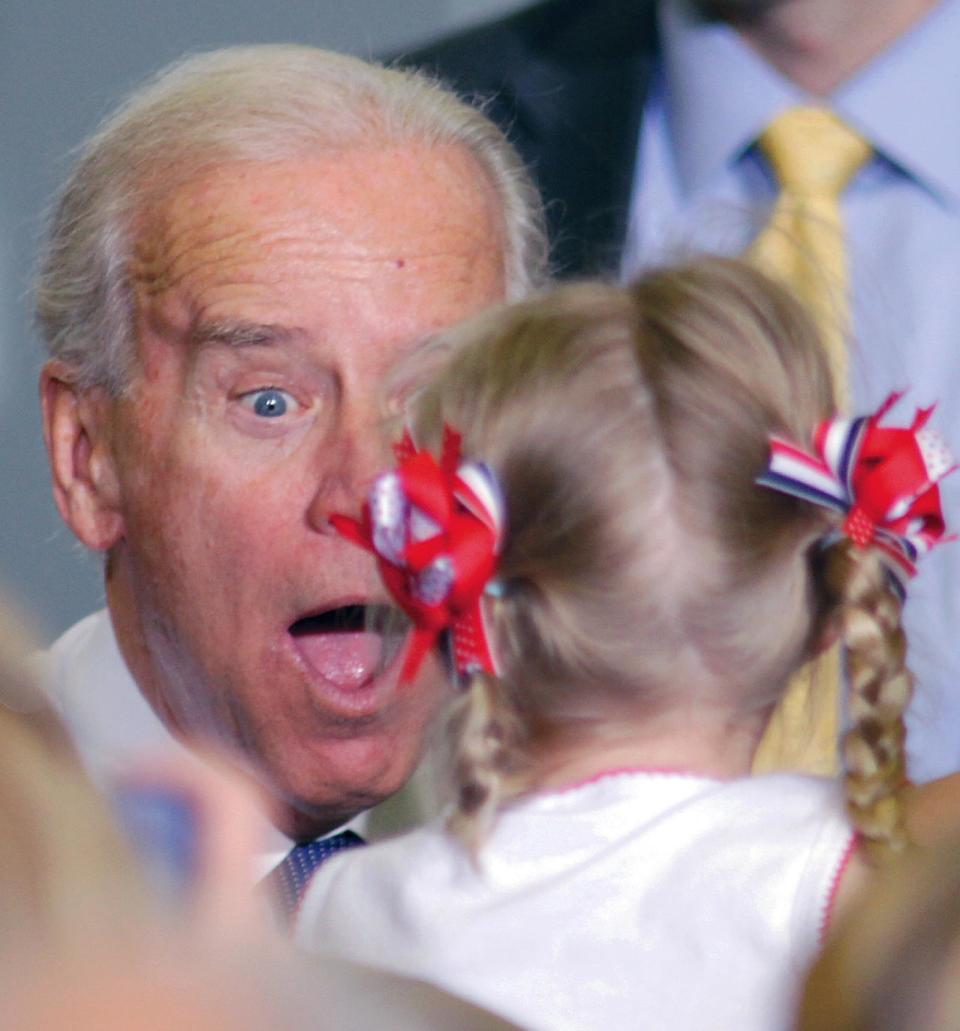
[
  {"x": 571, "y": 33},
  {"x": 567, "y": 80}
]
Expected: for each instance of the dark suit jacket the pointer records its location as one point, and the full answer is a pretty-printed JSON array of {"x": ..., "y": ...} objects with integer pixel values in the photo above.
[{"x": 567, "y": 80}]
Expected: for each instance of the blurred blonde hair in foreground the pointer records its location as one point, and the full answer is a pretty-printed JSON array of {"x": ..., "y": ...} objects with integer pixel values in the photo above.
[
  {"x": 63, "y": 864},
  {"x": 85, "y": 941},
  {"x": 894, "y": 962}
]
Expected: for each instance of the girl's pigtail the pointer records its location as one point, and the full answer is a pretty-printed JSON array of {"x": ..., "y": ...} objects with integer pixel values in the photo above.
[
  {"x": 486, "y": 744},
  {"x": 884, "y": 481},
  {"x": 880, "y": 686}
]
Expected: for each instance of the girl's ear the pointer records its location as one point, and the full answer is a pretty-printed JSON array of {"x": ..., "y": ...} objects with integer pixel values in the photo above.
[{"x": 76, "y": 425}]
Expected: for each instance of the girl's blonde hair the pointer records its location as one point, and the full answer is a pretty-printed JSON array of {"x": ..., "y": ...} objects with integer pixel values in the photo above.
[{"x": 642, "y": 563}]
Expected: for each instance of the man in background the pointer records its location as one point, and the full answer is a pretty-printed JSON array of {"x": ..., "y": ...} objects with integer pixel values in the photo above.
[
  {"x": 644, "y": 124},
  {"x": 240, "y": 253}
]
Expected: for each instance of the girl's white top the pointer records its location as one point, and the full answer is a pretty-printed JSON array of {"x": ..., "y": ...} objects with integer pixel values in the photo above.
[{"x": 637, "y": 900}]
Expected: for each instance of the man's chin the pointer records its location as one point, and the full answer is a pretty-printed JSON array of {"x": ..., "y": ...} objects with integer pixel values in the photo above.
[
  {"x": 303, "y": 821},
  {"x": 311, "y": 809},
  {"x": 301, "y": 826}
]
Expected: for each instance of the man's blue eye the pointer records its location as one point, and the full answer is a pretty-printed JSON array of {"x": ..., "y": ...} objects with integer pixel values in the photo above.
[{"x": 270, "y": 403}]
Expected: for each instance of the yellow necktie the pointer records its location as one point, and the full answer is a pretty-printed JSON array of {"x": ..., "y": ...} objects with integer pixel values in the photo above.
[{"x": 814, "y": 155}]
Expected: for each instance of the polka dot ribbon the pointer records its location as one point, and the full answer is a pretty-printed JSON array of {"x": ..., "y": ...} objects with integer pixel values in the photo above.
[
  {"x": 435, "y": 529},
  {"x": 289, "y": 881},
  {"x": 884, "y": 480}
]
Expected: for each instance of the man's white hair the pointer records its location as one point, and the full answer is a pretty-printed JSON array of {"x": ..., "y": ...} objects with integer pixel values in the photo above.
[{"x": 260, "y": 103}]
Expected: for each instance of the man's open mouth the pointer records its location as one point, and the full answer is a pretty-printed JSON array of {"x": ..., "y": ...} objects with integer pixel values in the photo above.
[
  {"x": 350, "y": 644},
  {"x": 344, "y": 619}
]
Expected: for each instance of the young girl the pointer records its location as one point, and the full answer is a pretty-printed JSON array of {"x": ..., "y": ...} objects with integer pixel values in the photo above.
[{"x": 608, "y": 861}]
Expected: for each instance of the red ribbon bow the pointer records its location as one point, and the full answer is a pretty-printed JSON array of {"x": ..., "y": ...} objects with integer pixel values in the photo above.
[
  {"x": 894, "y": 480},
  {"x": 884, "y": 479},
  {"x": 435, "y": 529}
]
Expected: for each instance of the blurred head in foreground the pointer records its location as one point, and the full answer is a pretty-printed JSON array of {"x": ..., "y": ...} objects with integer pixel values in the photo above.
[
  {"x": 86, "y": 943},
  {"x": 65, "y": 869},
  {"x": 894, "y": 962}
]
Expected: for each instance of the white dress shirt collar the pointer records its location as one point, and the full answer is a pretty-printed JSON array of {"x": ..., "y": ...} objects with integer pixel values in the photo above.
[{"x": 719, "y": 94}]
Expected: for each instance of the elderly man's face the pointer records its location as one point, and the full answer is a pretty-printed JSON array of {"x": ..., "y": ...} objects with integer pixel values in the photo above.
[{"x": 270, "y": 300}]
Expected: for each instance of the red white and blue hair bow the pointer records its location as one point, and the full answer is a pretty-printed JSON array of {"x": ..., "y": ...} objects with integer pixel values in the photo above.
[
  {"x": 436, "y": 530},
  {"x": 882, "y": 479}
]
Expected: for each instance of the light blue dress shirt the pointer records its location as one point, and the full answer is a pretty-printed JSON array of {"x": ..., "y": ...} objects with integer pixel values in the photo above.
[{"x": 702, "y": 185}]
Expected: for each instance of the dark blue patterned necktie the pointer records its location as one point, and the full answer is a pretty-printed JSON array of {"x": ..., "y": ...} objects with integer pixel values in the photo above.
[{"x": 289, "y": 880}]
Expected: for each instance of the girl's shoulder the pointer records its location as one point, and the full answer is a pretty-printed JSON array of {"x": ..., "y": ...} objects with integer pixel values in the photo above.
[
  {"x": 932, "y": 813},
  {"x": 367, "y": 878}
]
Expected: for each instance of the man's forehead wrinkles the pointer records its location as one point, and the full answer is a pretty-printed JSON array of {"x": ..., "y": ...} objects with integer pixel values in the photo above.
[
  {"x": 241, "y": 333},
  {"x": 174, "y": 258},
  {"x": 181, "y": 248},
  {"x": 453, "y": 262}
]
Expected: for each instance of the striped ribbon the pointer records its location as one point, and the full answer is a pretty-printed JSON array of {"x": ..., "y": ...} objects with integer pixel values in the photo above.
[
  {"x": 436, "y": 530},
  {"x": 883, "y": 480}
]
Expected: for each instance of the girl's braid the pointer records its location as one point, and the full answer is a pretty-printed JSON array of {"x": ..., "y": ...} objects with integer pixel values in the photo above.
[
  {"x": 486, "y": 742},
  {"x": 880, "y": 686}
]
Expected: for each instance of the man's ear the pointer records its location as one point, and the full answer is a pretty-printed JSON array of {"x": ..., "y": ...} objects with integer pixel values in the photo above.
[{"x": 76, "y": 431}]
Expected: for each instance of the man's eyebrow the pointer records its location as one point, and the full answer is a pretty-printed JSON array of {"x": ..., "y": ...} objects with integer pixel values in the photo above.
[{"x": 242, "y": 334}]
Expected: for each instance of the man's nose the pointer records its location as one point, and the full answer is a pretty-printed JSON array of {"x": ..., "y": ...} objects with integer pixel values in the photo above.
[{"x": 347, "y": 466}]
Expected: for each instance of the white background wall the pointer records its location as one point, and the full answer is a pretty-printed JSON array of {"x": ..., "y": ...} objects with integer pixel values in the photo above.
[{"x": 63, "y": 64}]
